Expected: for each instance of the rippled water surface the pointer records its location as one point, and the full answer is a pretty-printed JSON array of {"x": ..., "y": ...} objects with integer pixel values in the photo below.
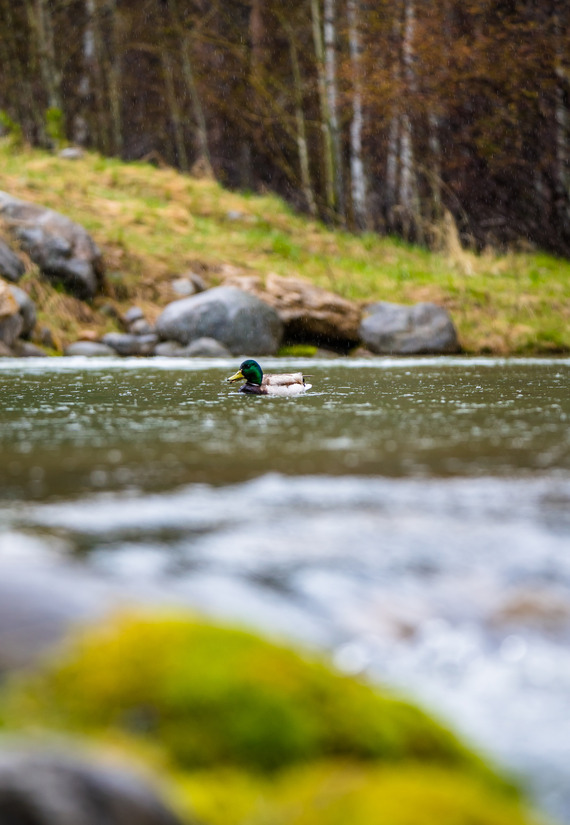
[{"x": 411, "y": 517}]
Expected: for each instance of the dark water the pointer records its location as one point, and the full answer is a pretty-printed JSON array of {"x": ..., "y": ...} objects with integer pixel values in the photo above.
[
  {"x": 411, "y": 517},
  {"x": 67, "y": 430}
]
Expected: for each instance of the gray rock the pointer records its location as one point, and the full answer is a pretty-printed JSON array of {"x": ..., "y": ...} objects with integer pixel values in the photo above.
[
  {"x": 27, "y": 309},
  {"x": 170, "y": 349},
  {"x": 206, "y": 348},
  {"x": 90, "y": 349},
  {"x": 49, "y": 787},
  {"x": 25, "y": 349},
  {"x": 5, "y": 352},
  {"x": 126, "y": 344},
  {"x": 239, "y": 321},
  {"x": 72, "y": 153},
  {"x": 11, "y": 267},
  {"x": 10, "y": 329},
  {"x": 62, "y": 249},
  {"x": 141, "y": 327},
  {"x": 393, "y": 329},
  {"x": 11, "y": 321},
  {"x": 133, "y": 314},
  {"x": 188, "y": 284}
]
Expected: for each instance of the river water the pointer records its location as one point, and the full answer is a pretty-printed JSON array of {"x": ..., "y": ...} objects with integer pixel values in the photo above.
[{"x": 410, "y": 517}]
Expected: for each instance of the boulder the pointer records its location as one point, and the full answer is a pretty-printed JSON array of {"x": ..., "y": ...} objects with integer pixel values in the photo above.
[
  {"x": 26, "y": 308},
  {"x": 393, "y": 329},
  {"x": 25, "y": 349},
  {"x": 126, "y": 344},
  {"x": 11, "y": 267},
  {"x": 309, "y": 313},
  {"x": 63, "y": 250},
  {"x": 11, "y": 321},
  {"x": 49, "y": 787},
  {"x": 239, "y": 321},
  {"x": 90, "y": 349}
]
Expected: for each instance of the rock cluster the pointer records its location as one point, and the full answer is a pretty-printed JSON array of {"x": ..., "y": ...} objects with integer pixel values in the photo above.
[
  {"x": 248, "y": 314},
  {"x": 63, "y": 250}
]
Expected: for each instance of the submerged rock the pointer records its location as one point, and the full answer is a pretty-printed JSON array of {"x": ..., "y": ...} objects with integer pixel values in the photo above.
[
  {"x": 46, "y": 787},
  {"x": 63, "y": 250},
  {"x": 393, "y": 329},
  {"x": 240, "y": 322},
  {"x": 11, "y": 267}
]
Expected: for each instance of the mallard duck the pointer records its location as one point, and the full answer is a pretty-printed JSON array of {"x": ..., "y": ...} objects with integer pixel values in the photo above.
[{"x": 257, "y": 383}]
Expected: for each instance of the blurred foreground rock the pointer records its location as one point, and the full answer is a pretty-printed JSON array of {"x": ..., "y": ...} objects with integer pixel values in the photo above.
[
  {"x": 239, "y": 321},
  {"x": 55, "y": 788},
  {"x": 393, "y": 329},
  {"x": 63, "y": 250}
]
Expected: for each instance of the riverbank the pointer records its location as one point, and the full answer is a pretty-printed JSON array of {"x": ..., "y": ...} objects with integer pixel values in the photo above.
[{"x": 155, "y": 225}]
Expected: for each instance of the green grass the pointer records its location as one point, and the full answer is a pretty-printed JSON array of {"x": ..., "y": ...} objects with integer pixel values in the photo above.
[{"x": 152, "y": 224}]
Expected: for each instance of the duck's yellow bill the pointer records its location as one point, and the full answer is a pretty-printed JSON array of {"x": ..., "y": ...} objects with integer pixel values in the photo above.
[{"x": 236, "y": 377}]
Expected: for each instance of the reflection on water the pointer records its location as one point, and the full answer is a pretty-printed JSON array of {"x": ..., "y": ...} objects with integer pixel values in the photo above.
[{"x": 413, "y": 517}]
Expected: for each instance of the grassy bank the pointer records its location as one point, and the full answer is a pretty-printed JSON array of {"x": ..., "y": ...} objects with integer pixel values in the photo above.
[
  {"x": 154, "y": 224},
  {"x": 246, "y": 732}
]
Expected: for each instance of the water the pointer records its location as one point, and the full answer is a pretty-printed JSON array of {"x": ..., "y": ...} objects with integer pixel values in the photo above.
[{"x": 412, "y": 517}]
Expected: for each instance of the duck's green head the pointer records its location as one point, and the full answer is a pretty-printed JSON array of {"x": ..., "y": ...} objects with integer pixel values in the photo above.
[{"x": 250, "y": 371}]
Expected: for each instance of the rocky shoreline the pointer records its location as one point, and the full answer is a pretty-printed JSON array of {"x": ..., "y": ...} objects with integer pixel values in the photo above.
[{"x": 246, "y": 314}]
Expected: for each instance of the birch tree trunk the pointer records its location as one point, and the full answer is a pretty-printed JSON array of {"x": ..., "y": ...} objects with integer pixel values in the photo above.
[
  {"x": 324, "y": 106},
  {"x": 357, "y": 176},
  {"x": 409, "y": 201},
  {"x": 393, "y": 154},
  {"x": 329, "y": 28}
]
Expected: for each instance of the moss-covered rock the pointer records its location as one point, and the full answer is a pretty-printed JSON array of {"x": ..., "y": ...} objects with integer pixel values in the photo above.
[
  {"x": 347, "y": 792},
  {"x": 210, "y": 696}
]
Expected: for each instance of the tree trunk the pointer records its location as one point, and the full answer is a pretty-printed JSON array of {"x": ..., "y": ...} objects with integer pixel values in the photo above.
[
  {"x": 358, "y": 179},
  {"x": 562, "y": 121},
  {"x": 44, "y": 33},
  {"x": 329, "y": 28},
  {"x": 175, "y": 116},
  {"x": 408, "y": 198},
  {"x": 203, "y": 161},
  {"x": 324, "y": 106},
  {"x": 114, "y": 79},
  {"x": 301, "y": 131}
]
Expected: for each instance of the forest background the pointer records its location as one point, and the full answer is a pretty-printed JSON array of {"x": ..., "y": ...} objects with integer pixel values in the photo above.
[{"x": 385, "y": 115}]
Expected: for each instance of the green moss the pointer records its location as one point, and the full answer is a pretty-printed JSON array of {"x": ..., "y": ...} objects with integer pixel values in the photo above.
[
  {"x": 211, "y": 695},
  {"x": 297, "y": 351}
]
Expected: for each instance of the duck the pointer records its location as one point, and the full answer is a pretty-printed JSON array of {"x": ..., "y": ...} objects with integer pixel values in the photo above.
[{"x": 256, "y": 383}]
